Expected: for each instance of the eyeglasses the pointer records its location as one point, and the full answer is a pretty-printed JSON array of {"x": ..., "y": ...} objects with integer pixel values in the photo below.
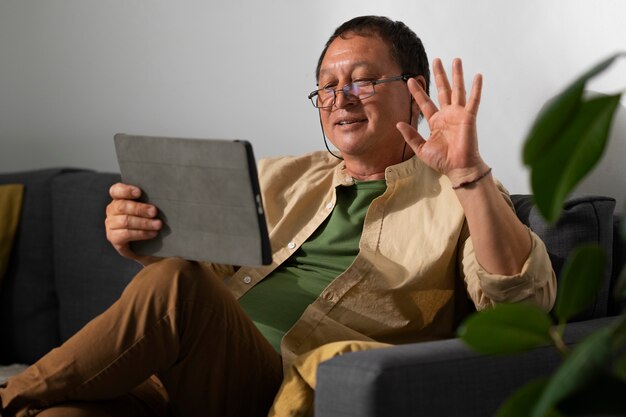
[{"x": 358, "y": 90}]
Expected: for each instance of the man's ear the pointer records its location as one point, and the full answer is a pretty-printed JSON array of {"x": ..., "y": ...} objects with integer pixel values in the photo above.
[
  {"x": 421, "y": 81},
  {"x": 415, "y": 110}
]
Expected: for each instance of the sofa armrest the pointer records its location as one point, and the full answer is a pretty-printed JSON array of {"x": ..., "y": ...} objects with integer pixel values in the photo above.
[{"x": 442, "y": 378}]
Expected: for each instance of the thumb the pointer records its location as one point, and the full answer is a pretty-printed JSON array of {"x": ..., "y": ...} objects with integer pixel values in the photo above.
[{"x": 411, "y": 136}]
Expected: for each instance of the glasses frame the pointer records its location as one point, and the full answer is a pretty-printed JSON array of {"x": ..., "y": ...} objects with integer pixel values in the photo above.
[{"x": 346, "y": 88}]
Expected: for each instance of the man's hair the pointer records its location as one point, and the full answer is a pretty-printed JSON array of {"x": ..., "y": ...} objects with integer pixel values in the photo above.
[{"x": 405, "y": 46}]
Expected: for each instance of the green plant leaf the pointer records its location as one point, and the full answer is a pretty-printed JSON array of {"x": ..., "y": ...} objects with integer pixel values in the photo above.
[
  {"x": 619, "y": 339},
  {"x": 506, "y": 328},
  {"x": 580, "y": 281},
  {"x": 584, "y": 363},
  {"x": 574, "y": 151},
  {"x": 521, "y": 403},
  {"x": 602, "y": 395},
  {"x": 566, "y": 141},
  {"x": 550, "y": 121},
  {"x": 558, "y": 112},
  {"x": 620, "y": 367}
]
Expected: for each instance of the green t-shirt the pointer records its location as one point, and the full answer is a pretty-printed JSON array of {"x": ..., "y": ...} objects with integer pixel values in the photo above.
[{"x": 277, "y": 302}]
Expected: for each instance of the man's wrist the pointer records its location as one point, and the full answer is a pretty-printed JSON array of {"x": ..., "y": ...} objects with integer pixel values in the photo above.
[{"x": 471, "y": 182}]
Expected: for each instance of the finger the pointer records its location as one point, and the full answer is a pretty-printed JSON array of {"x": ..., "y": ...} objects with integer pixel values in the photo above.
[
  {"x": 458, "y": 84},
  {"x": 411, "y": 136},
  {"x": 441, "y": 81},
  {"x": 124, "y": 191},
  {"x": 474, "y": 98},
  {"x": 122, "y": 237},
  {"x": 422, "y": 99},
  {"x": 133, "y": 223},
  {"x": 121, "y": 241},
  {"x": 132, "y": 208}
]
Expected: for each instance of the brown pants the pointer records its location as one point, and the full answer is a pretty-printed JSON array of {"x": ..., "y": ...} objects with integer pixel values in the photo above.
[{"x": 175, "y": 344}]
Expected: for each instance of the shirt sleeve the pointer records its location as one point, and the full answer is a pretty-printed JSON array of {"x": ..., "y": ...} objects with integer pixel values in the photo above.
[{"x": 536, "y": 282}]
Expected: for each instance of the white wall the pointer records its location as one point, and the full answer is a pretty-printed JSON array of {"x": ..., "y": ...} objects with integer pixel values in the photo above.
[{"x": 74, "y": 72}]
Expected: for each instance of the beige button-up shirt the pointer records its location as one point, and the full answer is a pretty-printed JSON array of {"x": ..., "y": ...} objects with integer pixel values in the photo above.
[{"x": 416, "y": 264}]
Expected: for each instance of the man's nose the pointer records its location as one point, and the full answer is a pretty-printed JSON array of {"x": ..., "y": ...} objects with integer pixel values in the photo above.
[{"x": 343, "y": 99}]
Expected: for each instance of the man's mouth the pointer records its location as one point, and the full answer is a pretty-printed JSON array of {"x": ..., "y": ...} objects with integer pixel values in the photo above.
[{"x": 349, "y": 122}]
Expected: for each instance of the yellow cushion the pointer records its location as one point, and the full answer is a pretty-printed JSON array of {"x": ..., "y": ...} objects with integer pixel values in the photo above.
[
  {"x": 295, "y": 396},
  {"x": 10, "y": 207}
]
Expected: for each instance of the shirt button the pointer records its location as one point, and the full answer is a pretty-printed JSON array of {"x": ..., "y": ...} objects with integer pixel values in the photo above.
[
  {"x": 291, "y": 245},
  {"x": 329, "y": 296},
  {"x": 329, "y": 206},
  {"x": 247, "y": 279}
]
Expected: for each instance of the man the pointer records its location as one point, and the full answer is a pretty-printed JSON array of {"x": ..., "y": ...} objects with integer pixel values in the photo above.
[{"x": 379, "y": 247}]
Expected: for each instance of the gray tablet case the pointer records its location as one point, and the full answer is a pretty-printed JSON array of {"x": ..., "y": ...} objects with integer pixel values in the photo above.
[{"x": 208, "y": 197}]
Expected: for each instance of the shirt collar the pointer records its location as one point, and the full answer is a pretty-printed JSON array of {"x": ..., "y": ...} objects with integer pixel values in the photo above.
[{"x": 411, "y": 166}]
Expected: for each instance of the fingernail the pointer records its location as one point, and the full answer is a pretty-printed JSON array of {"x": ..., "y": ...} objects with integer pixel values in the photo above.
[{"x": 135, "y": 192}]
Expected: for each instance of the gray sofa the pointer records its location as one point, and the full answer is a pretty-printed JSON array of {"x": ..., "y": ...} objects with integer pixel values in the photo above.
[{"x": 63, "y": 272}]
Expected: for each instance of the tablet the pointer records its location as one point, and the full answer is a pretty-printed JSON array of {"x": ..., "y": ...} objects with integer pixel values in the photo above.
[{"x": 207, "y": 193}]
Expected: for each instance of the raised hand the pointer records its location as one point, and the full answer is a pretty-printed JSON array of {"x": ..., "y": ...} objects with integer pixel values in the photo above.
[{"x": 452, "y": 148}]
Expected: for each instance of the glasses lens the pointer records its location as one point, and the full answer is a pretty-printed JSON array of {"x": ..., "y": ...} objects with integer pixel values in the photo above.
[
  {"x": 354, "y": 91},
  {"x": 359, "y": 90},
  {"x": 325, "y": 98}
]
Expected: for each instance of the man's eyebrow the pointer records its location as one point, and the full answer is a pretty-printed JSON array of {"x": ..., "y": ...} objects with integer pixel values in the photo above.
[{"x": 358, "y": 64}]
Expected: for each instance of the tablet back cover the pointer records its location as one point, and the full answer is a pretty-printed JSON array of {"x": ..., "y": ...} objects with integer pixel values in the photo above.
[{"x": 207, "y": 194}]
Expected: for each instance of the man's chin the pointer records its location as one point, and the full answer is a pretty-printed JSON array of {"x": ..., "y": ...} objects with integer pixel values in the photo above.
[{"x": 349, "y": 140}]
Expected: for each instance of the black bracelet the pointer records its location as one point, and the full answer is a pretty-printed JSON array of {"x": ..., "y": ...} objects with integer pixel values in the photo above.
[{"x": 475, "y": 180}]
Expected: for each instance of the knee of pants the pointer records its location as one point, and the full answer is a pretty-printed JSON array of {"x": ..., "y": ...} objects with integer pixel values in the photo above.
[
  {"x": 174, "y": 279},
  {"x": 166, "y": 276}
]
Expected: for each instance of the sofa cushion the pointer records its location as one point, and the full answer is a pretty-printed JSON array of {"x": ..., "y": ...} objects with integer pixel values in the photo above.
[
  {"x": 10, "y": 209},
  {"x": 90, "y": 275},
  {"x": 28, "y": 303},
  {"x": 584, "y": 219}
]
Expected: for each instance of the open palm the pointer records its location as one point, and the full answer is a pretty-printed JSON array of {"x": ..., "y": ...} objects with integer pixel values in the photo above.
[{"x": 452, "y": 148}]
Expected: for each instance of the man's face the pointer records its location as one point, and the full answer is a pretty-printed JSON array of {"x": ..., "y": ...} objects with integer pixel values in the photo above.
[{"x": 367, "y": 128}]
